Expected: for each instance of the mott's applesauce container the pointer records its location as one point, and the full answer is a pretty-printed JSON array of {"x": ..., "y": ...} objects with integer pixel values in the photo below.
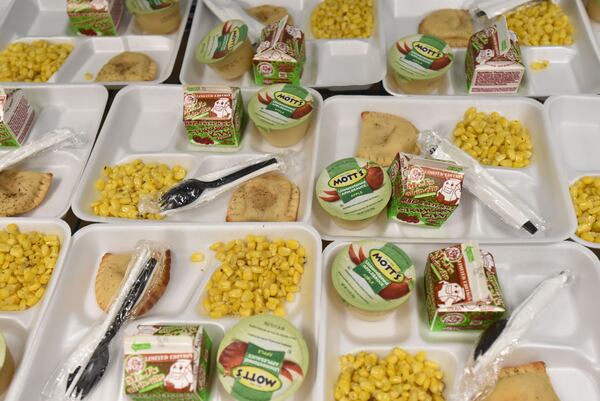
[
  {"x": 262, "y": 358},
  {"x": 373, "y": 278},
  {"x": 593, "y": 9},
  {"x": 226, "y": 49},
  {"x": 419, "y": 63},
  {"x": 7, "y": 367},
  {"x": 353, "y": 191},
  {"x": 281, "y": 113},
  {"x": 158, "y": 17}
]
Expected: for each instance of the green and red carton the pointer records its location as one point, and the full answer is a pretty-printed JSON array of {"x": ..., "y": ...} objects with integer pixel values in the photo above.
[{"x": 95, "y": 17}]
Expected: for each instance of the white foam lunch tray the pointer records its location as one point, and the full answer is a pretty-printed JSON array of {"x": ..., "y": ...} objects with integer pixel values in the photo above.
[
  {"x": 19, "y": 327},
  {"x": 73, "y": 106},
  {"x": 73, "y": 309},
  {"x": 575, "y": 121},
  {"x": 29, "y": 20},
  {"x": 542, "y": 185},
  {"x": 564, "y": 336},
  {"x": 573, "y": 69},
  {"x": 147, "y": 123},
  {"x": 332, "y": 63}
]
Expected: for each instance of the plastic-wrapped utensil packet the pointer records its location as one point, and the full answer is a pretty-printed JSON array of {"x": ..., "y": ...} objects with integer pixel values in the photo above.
[
  {"x": 194, "y": 192},
  {"x": 52, "y": 140},
  {"x": 494, "y": 8},
  {"x": 496, "y": 196},
  {"x": 480, "y": 375},
  {"x": 87, "y": 358},
  {"x": 230, "y": 9}
]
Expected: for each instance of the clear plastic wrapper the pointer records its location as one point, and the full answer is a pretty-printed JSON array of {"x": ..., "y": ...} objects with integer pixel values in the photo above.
[
  {"x": 194, "y": 192},
  {"x": 480, "y": 375},
  {"x": 80, "y": 372},
  {"x": 496, "y": 196},
  {"x": 52, "y": 140},
  {"x": 493, "y": 8},
  {"x": 230, "y": 9}
]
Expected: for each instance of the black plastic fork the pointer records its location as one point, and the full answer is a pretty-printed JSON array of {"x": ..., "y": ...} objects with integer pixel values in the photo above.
[
  {"x": 190, "y": 190},
  {"x": 98, "y": 362}
]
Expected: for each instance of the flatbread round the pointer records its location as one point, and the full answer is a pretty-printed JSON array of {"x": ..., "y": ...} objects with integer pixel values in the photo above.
[
  {"x": 270, "y": 197},
  {"x": 269, "y": 14},
  {"x": 128, "y": 66},
  {"x": 22, "y": 191},
  {"x": 528, "y": 382},
  {"x": 383, "y": 135},
  {"x": 111, "y": 273},
  {"x": 452, "y": 25}
]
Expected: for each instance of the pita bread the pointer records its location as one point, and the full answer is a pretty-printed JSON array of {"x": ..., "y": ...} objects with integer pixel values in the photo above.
[
  {"x": 22, "y": 191},
  {"x": 452, "y": 25},
  {"x": 528, "y": 382},
  {"x": 383, "y": 135},
  {"x": 110, "y": 275},
  {"x": 269, "y": 14},
  {"x": 128, "y": 66},
  {"x": 270, "y": 197}
]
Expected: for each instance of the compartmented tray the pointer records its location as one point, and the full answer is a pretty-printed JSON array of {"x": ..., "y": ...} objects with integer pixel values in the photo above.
[
  {"x": 29, "y": 20},
  {"x": 73, "y": 309},
  {"x": 329, "y": 62},
  {"x": 575, "y": 122},
  {"x": 564, "y": 335},
  {"x": 19, "y": 328},
  {"x": 147, "y": 123},
  {"x": 542, "y": 185},
  {"x": 69, "y": 106},
  {"x": 573, "y": 69}
]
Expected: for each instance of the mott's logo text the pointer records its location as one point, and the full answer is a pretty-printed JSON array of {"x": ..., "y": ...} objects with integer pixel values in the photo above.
[
  {"x": 289, "y": 99},
  {"x": 386, "y": 265},
  {"x": 427, "y": 50},
  {"x": 257, "y": 379},
  {"x": 347, "y": 178},
  {"x": 233, "y": 38}
]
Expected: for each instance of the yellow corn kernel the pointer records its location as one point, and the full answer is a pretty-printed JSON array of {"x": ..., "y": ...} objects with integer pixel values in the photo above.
[
  {"x": 197, "y": 257},
  {"x": 541, "y": 23},
  {"x": 255, "y": 276},
  {"x": 493, "y": 140},
  {"x": 26, "y": 263}
]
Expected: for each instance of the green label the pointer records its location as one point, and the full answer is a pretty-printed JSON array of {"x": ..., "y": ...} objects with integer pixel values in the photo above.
[
  {"x": 426, "y": 50},
  {"x": 469, "y": 252},
  {"x": 348, "y": 179},
  {"x": 288, "y": 100},
  {"x": 257, "y": 378},
  {"x": 384, "y": 266},
  {"x": 228, "y": 41}
]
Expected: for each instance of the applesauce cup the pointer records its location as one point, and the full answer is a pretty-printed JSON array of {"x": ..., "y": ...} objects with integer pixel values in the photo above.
[
  {"x": 353, "y": 191},
  {"x": 227, "y": 49},
  {"x": 419, "y": 64},
  {"x": 7, "y": 365},
  {"x": 157, "y": 17},
  {"x": 373, "y": 278},
  {"x": 281, "y": 113},
  {"x": 262, "y": 353}
]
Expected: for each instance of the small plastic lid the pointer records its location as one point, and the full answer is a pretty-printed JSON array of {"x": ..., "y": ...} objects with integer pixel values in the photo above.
[
  {"x": 373, "y": 276},
  {"x": 263, "y": 357},
  {"x": 420, "y": 57},
  {"x": 353, "y": 189},
  {"x": 148, "y": 6},
  {"x": 280, "y": 106},
  {"x": 221, "y": 41}
]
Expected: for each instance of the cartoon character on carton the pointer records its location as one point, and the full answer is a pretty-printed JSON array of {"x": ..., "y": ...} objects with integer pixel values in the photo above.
[
  {"x": 180, "y": 378},
  {"x": 450, "y": 192},
  {"x": 450, "y": 293},
  {"x": 222, "y": 109}
]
